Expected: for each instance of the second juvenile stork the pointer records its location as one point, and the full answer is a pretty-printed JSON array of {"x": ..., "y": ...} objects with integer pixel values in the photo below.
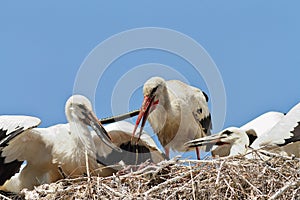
[{"x": 176, "y": 111}]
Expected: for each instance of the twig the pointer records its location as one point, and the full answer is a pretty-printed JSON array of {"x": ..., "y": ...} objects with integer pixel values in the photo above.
[
  {"x": 232, "y": 190},
  {"x": 284, "y": 188},
  {"x": 87, "y": 166},
  {"x": 255, "y": 188},
  {"x": 270, "y": 154},
  {"x": 184, "y": 186},
  {"x": 160, "y": 186},
  {"x": 4, "y": 197},
  {"x": 88, "y": 173},
  {"x": 115, "y": 193},
  {"x": 219, "y": 172},
  {"x": 193, "y": 184},
  {"x": 148, "y": 169}
]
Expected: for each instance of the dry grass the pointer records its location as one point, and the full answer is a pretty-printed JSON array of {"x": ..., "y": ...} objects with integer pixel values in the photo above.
[{"x": 225, "y": 178}]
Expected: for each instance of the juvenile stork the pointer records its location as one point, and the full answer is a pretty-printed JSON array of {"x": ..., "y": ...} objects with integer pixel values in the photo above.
[
  {"x": 176, "y": 111},
  {"x": 253, "y": 129},
  {"x": 272, "y": 131},
  {"x": 51, "y": 153},
  {"x": 229, "y": 142}
]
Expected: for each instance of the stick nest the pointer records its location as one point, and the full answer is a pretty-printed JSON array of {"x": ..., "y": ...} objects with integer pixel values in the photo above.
[{"x": 225, "y": 178}]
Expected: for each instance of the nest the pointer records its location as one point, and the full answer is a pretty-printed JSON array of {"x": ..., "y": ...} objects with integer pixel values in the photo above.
[{"x": 278, "y": 177}]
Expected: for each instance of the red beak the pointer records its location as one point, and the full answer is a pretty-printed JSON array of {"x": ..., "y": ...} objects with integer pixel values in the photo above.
[{"x": 144, "y": 113}]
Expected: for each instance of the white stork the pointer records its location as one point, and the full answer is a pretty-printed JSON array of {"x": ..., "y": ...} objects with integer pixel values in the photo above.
[
  {"x": 120, "y": 134},
  {"x": 177, "y": 112},
  {"x": 272, "y": 131},
  {"x": 51, "y": 153}
]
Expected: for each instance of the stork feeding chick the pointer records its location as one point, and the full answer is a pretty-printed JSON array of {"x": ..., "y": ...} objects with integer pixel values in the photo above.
[
  {"x": 176, "y": 111},
  {"x": 51, "y": 153},
  {"x": 272, "y": 131}
]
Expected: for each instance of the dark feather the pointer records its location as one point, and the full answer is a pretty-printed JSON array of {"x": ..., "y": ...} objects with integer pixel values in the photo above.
[
  {"x": 295, "y": 137},
  {"x": 132, "y": 154},
  {"x": 6, "y": 138},
  {"x": 206, "y": 96},
  {"x": 7, "y": 170},
  {"x": 206, "y": 124}
]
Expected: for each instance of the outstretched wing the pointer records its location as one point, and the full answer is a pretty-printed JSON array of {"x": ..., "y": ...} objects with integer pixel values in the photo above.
[
  {"x": 10, "y": 128},
  {"x": 285, "y": 132},
  {"x": 263, "y": 123}
]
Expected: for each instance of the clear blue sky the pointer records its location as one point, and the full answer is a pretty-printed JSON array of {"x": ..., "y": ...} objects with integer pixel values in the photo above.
[{"x": 255, "y": 45}]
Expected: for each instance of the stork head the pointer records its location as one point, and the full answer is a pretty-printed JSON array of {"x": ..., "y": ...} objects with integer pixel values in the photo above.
[
  {"x": 79, "y": 111},
  {"x": 153, "y": 90},
  {"x": 236, "y": 138},
  {"x": 233, "y": 135}
]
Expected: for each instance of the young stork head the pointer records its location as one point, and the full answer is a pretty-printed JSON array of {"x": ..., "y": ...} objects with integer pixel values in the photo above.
[
  {"x": 236, "y": 139},
  {"x": 79, "y": 111},
  {"x": 153, "y": 89}
]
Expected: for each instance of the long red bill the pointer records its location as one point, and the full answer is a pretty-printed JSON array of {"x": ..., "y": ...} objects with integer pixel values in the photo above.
[{"x": 144, "y": 113}]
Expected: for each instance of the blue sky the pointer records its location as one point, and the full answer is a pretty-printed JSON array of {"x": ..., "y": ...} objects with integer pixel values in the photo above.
[{"x": 255, "y": 45}]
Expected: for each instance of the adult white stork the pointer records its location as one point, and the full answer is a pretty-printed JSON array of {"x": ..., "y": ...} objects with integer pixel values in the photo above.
[
  {"x": 120, "y": 134},
  {"x": 272, "y": 131},
  {"x": 51, "y": 153},
  {"x": 176, "y": 111}
]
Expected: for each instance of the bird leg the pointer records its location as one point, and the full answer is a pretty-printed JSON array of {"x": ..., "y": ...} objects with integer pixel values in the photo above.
[
  {"x": 62, "y": 173},
  {"x": 198, "y": 153},
  {"x": 167, "y": 151}
]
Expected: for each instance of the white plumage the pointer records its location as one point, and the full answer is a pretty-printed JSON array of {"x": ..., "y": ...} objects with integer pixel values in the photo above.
[
  {"x": 51, "y": 153},
  {"x": 176, "y": 111},
  {"x": 272, "y": 131},
  {"x": 284, "y": 137}
]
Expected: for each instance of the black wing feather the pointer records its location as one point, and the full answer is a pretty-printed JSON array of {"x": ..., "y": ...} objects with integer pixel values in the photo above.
[{"x": 295, "y": 137}]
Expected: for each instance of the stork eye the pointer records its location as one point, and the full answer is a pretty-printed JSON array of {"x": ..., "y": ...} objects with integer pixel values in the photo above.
[
  {"x": 227, "y": 132},
  {"x": 81, "y": 106},
  {"x": 153, "y": 91}
]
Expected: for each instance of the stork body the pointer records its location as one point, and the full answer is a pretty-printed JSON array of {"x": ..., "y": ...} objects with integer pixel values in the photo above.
[
  {"x": 51, "y": 153},
  {"x": 272, "y": 131},
  {"x": 176, "y": 111}
]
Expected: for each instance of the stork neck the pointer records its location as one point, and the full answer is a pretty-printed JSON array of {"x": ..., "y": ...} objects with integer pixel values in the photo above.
[
  {"x": 239, "y": 147},
  {"x": 164, "y": 99},
  {"x": 81, "y": 135}
]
